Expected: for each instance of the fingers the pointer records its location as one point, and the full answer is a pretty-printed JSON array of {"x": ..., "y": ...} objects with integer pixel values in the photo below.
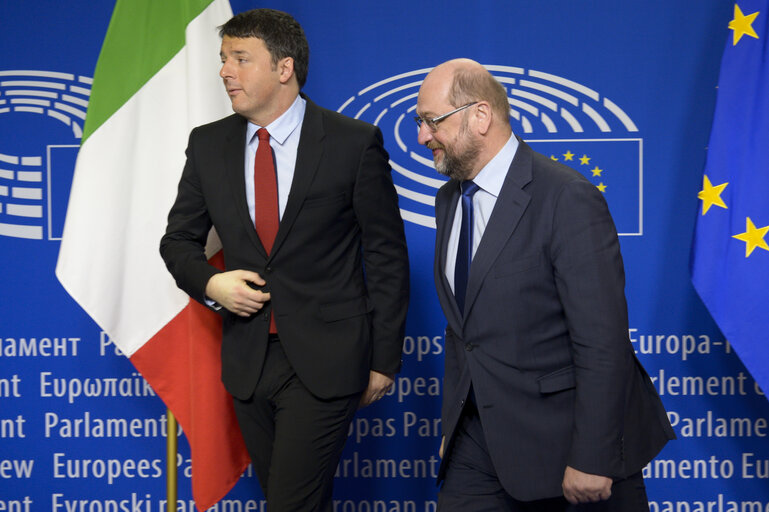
[
  {"x": 249, "y": 303},
  {"x": 246, "y": 301},
  {"x": 365, "y": 400},
  {"x": 369, "y": 397},
  {"x": 247, "y": 275},
  {"x": 232, "y": 290},
  {"x": 379, "y": 384},
  {"x": 580, "y": 487},
  {"x": 576, "y": 498}
]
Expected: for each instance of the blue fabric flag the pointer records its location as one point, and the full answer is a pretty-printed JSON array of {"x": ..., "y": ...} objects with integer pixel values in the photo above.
[{"x": 730, "y": 254}]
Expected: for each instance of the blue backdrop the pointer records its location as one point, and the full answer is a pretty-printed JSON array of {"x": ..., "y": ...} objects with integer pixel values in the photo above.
[{"x": 623, "y": 91}]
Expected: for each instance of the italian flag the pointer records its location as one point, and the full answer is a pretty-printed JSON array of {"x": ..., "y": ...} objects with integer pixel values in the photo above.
[{"x": 157, "y": 77}]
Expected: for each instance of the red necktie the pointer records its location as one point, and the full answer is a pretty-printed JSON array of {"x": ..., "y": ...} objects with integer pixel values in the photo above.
[{"x": 266, "y": 216}]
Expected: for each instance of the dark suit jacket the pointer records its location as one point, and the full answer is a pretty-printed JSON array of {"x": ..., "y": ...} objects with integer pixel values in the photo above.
[
  {"x": 338, "y": 270},
  {"x": 544, "y": 337}
]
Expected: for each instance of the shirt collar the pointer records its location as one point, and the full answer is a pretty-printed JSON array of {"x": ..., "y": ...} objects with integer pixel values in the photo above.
[
  {"x": 492, "y": 176},
  {"x": 284, "y": 125}
]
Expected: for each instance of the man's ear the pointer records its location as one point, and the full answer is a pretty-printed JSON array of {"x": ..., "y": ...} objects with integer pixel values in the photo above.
[
  {"x": 286, "y": 69},
  {"x": 483, "y": 116}
]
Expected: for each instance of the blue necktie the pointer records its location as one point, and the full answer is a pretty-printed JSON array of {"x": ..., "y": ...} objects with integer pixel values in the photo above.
[{"x": 465, "y": 248}]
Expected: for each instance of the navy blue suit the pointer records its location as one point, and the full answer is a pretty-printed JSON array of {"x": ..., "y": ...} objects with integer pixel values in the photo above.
[{"x": 544, "y": 336}]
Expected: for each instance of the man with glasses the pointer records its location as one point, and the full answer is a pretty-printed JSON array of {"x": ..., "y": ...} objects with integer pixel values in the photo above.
[{"x": 545, "y": 406}]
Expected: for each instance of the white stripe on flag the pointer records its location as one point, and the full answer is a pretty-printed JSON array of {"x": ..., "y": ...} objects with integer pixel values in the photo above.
[{"x": 125, "y": 182}]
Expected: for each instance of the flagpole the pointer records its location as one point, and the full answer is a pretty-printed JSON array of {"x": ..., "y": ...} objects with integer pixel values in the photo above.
[{"x": 171, "y": 471}]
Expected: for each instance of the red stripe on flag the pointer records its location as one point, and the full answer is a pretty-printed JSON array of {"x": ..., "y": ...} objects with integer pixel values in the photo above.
[{"x": 182, "y": 363}]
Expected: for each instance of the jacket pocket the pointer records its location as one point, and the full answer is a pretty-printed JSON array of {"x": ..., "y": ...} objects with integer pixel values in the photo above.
[
  {"x": 558, "y": 380},
  {"x": 347, "y": 309}
]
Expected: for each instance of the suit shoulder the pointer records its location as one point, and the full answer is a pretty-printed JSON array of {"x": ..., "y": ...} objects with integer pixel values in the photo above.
[
  {"x": 562, "y": 187},
  {"x": 221, "y": 125},
  {"x": 344, "y": 124},
  {"x": 216, "y": 133},
  {"x": 554, "y": 172}
]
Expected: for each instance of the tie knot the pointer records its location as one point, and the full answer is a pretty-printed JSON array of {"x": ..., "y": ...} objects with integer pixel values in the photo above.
[
  {"x": 263, "y": 134},
  {"x": 469, "y": 188}
]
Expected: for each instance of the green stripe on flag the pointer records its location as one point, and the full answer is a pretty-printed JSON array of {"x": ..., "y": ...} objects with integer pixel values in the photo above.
[{"x": 143, "y": 35}]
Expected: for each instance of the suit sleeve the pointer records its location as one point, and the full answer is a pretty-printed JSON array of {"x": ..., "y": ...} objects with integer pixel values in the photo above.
[
  {"x": 183, "y": 245},
  {"x": 590, "y": 279},
  {"x": 385, "y": 256}
]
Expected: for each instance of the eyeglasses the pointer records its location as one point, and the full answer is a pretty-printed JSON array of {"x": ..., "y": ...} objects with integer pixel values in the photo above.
[{"x": 432, "y": 123}]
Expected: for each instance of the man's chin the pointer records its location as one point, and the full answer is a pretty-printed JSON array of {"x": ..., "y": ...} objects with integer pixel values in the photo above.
[
  {"x": 442, "y": 169},
  {"x": 440, "y": 165}
]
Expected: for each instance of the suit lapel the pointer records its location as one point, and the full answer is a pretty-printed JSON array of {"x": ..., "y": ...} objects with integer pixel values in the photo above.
[
  {"x": 234, "y": 167},
  {"x": 308, "y": 157},
  {"x": 508, "y": 210},
  {"x": 445, "y": 207}
]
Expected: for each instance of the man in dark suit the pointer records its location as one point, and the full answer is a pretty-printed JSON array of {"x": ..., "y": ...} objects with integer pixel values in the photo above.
[
  {"x": 315, "y": 291},
  {"x": 545, "y": 405}
]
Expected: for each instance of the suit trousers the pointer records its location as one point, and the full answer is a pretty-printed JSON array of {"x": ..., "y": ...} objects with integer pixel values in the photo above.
[
  {"x": 295, "y": 439},
  {"x": 471, "y": 483}
]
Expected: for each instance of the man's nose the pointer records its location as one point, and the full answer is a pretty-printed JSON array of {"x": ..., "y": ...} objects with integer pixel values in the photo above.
[
  {"x": 424, "y": 135},
  {"x": 226, "y": 70}
]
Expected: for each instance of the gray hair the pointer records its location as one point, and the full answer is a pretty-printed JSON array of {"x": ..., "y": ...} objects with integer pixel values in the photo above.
[{"x": 471, "y": 85}]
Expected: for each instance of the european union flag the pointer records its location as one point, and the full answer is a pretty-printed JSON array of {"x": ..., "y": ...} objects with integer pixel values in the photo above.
[{"x": 730, "y": 255}]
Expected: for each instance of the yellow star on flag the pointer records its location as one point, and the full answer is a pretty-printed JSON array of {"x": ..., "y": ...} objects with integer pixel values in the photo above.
[
  {"x": 584, "y": 160},
  {"x": 753, "y": 237},
  {"x": 711, "y": 195},
  {"x": 601, "y": 187},
  {"x": 568, "y": 155},
  {"x": 742, "y": 25},
  {"x": 597, "y": 171}
]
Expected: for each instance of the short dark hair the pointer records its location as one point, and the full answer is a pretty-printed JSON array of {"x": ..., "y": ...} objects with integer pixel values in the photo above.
[{"x": 282, "y": 35}]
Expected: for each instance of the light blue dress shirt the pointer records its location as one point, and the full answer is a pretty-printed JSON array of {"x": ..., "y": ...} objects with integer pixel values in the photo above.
[
  {"x": 490, "y": 180},
  {"x": 284, "y": 140}
]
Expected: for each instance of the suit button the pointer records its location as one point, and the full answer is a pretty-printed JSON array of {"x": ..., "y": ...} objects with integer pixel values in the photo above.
[
  {"x": 269, "y": 269},
  {"x": 469, "y": 346}
]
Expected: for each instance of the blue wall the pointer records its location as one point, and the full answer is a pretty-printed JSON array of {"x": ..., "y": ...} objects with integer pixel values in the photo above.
[{"x": 656, "y": 61}]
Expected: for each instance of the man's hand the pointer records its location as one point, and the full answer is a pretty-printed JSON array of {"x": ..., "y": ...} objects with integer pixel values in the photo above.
[
  {"x": 442, "y": 449},
  {"x": 579, "y": 487},
  {"x": 378, "y": 385},
  {"x": 231, "y": 290}
]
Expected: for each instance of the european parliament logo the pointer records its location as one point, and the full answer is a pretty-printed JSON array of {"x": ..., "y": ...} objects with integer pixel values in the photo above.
[
  {"x": 558, "y": 117},
  {"x": 41, "y": 118}
]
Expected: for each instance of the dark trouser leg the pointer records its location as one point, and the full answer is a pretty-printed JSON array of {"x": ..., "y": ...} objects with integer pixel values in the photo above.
[
  {"x": 471, "y": 482},
  {"x": 628, "y": 495},
  {"x": 294, "y": 438}
]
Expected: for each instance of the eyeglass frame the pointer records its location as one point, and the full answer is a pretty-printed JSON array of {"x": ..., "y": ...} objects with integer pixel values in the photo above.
[{"x": 432, "y": 123}]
